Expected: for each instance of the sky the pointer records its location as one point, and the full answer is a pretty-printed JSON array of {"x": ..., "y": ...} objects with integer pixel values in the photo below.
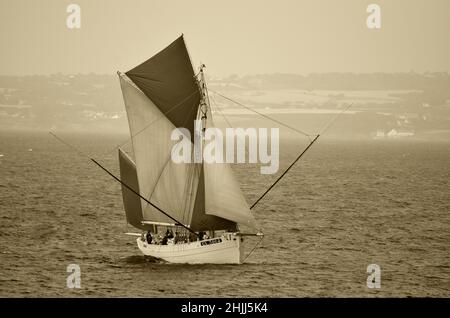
[{"x": 231, "y": 37}]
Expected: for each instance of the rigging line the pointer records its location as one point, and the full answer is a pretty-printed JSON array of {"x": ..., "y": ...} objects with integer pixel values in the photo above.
[
  {"x": 153, "y": 205},
  {"x": 286, "y": 171},
  {"x": 124, "y": 184},
  {"x": 151, "y": 123},
  {"x": 325, "y": 128},
  {"x": 260, "y": 240},
  {"x": 198, "y": 73},
  {"x": 226, "y": 119},
  {"x": 303, "y": 152},
  {"x": 189, "y": 54},
  {"x": 261, "y": 114},
  {"x": 220, "y": 111},
  {"x": 69, "y": 145}
]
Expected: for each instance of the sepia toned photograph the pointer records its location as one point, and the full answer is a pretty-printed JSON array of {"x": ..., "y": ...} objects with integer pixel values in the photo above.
[{"x": 225, "y": 150}]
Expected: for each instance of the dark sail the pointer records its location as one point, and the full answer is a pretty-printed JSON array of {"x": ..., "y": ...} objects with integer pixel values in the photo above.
[
  {"x": 131, "y": 202},
  {"x": 168, "y": 79}
]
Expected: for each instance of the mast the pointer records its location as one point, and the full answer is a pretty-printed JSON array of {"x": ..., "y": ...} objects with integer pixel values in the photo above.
[
  {"x": 223, "y": 195},
  {"x": 201, "y": 218},
  {"x": 204, "y": 102}
]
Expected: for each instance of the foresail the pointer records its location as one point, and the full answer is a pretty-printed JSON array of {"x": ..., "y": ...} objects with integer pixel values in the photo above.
[
  {"x": 202, "y": 221},
  {"x": 223, "y": 196},
  {"x": 169, "y": 186},
  {"x": 131, "y": 202}
]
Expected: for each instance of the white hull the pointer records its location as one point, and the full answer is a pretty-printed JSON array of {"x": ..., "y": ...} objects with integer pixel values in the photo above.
[{"x": 227, "y": 249}]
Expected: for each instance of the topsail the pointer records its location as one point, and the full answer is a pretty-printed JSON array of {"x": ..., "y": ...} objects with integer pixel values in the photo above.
[{"x": 160, "y": 95}]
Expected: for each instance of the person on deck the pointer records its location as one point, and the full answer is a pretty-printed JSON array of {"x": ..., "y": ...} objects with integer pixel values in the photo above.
[
  {"x": 149, "y": 237},
  {"x": 164, "y": 240},
  {"x": 169, "y": 233}
]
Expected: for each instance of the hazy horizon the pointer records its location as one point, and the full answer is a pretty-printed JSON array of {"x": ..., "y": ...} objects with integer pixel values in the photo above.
[
  {"x": 411, "y": 104},
  {"x": 300, "y": 61}
]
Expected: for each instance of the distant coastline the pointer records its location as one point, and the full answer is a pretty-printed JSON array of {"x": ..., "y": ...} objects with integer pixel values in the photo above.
[{"x": 405, "y": 102}]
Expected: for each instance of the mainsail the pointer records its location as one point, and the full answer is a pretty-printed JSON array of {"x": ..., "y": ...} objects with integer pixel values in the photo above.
[{"x": 160, "y": 95}]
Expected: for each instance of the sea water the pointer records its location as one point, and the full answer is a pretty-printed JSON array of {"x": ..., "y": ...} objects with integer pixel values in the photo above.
[{"x": 344, "y": 206}]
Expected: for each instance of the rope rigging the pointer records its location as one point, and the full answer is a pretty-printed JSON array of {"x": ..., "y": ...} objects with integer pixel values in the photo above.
[
  {"x": 163, "y": 115},
  {"x": 123, "y": 183},
  {"x": 254, "y": 247},
  {"x": 283, "y": 124},
  {"x": 263, "y": 115}
]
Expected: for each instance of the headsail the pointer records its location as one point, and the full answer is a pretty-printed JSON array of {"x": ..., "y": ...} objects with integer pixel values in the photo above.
[
  {"x": 201, "y": 220},
  {"x": 223, "y": 195}
]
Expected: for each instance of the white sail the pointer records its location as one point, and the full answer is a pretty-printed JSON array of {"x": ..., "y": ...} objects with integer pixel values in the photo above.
[
  {"x": 223, "y": 196},
  {"x": 169, "y": 186}
]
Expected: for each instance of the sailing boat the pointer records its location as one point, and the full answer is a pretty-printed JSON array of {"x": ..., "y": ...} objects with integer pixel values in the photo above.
[{"x": 160, "y": 196}]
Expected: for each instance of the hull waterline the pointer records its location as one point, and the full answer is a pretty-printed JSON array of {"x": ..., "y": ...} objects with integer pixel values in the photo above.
[{"x": 219, "y": 250}]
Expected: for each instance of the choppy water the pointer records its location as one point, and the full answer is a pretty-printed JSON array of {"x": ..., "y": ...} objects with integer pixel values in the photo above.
[{"x": 347, "y": 205}]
